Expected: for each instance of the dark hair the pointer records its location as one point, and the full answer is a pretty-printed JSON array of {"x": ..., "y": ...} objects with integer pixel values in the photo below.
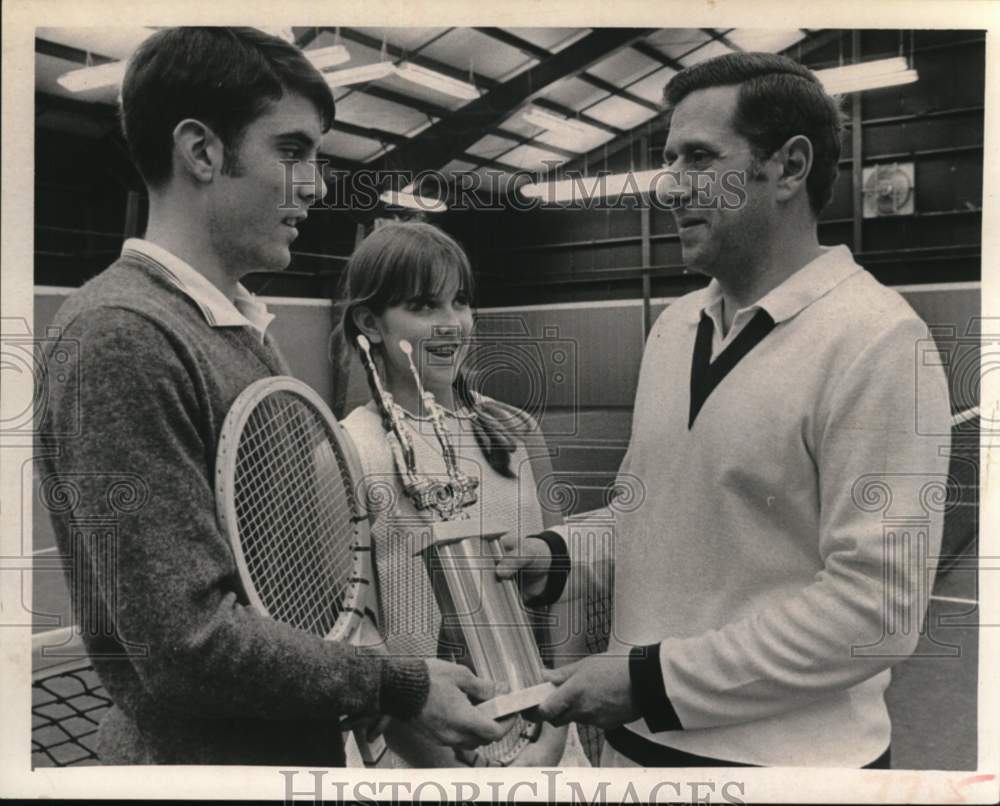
[
  {"x": 778, "y": 99},
  {"x": 401, "y": 261},
  {"x": 223, "y": 77}
]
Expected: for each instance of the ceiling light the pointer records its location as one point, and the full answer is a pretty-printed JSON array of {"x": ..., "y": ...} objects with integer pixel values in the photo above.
[
  {"x": 424, "y": 204},
  {"x": 437, "y": 81},
  {"x": 92, "y": 78},
  {"x": 547, "y": 120},
  {"x": 111, "y": 73},
  {"x": 360, "y": 75},
  {"x": 583, "y": 188},
  {"x": 329, "y": 56},
  {"x": 867, "y": 75}
]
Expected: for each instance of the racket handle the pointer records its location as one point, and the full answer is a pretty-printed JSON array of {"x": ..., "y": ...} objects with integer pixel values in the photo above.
[{"x": 371, "y": 751}]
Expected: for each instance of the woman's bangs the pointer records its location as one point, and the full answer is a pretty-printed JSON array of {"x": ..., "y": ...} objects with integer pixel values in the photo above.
[{"x": 430, "y": 276}]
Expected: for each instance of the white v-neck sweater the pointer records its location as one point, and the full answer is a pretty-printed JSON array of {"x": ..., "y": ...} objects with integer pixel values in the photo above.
[{"x": 780, "y": 561}]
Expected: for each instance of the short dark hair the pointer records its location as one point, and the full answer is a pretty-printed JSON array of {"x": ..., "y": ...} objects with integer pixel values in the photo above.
[
  {"x": 223, "y": 77},
  {"x": 778, "y": 99}
]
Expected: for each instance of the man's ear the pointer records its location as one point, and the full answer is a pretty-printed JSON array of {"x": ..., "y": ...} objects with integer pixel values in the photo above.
[
  {"x": 796, "y": 159},
  {"x": 198, "y": 151},
  {"x": 367, "y": 323}
]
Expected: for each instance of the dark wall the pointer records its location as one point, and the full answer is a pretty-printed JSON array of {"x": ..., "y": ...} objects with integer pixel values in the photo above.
[{"x": 81, "y": 186}]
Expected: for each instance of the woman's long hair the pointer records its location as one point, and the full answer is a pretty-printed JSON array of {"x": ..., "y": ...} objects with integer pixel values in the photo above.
[{"x": 403, "y": 261}]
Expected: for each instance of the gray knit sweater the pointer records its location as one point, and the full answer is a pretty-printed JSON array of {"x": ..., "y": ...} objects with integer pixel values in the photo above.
[{"x": 196, "y": 676}]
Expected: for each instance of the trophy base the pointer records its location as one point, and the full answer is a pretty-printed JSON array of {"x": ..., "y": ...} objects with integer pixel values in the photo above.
[{"x": 516, "y": 701}]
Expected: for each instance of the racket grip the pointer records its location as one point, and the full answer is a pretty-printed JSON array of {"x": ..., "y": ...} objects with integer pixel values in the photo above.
[{"x": 371, "y": 751}]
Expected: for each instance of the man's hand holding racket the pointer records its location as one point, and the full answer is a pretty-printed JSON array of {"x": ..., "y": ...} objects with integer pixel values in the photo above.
[{"x": 449, "y": 716}]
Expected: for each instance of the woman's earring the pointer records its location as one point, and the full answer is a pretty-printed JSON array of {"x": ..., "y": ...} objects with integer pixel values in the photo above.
[{"x": 364, "y": 319}]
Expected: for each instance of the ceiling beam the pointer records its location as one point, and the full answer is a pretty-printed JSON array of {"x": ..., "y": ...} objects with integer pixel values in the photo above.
[
  {"x": 721, "y": 37},
  {"x": 456, "y": 133},
  {"x": 653, "y": 54},
  {"x": 434, "y": 111},
  {"x": 536, "y": 52},
  {"x": 306, "y": 38},
  {"x": 379, "y": 135},
  {"x": 611, "y": 89},
  {"x": 65, "y": 52},
  {"x": 529, "y": 49},
  {"x": 485, "y": 162},
  {"x": 583, "y": 117}
]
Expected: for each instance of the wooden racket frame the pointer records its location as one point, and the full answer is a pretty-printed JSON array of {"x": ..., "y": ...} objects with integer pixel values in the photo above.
[
  {"x": 361, "y": 596},
  {"x": 360, "y": 600}
]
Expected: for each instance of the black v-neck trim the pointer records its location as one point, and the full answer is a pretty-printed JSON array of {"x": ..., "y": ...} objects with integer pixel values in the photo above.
[{"x": 707, "y": 374}]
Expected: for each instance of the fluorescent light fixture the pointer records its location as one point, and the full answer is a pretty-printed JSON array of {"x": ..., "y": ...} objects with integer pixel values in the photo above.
[
  {"x": 92, "y": 78},
  {"x": 584, "y": 188},
  {"x": 399, "y": 199},
  {"x": 867, "y": 75},
  {"x": 873, "y": 82},
  {"x": 547, "y": 120},
  {"x": 112, "y": 73},
  {"x": 329, "y": 56},
  {"x": 360, "y": 75},
  {"x": 437, "y": 81}
]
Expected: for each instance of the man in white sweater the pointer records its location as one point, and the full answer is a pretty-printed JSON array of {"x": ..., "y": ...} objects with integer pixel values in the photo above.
[{"x": 764, "y": 587}]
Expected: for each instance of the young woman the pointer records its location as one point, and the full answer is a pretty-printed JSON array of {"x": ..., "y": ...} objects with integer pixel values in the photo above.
[{"x": 412, "y": 281}]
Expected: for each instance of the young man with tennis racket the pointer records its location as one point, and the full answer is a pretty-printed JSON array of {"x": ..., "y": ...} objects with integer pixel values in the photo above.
[
  {"x": 764, "y": 582},
  {"x": 168, "y": 340}
]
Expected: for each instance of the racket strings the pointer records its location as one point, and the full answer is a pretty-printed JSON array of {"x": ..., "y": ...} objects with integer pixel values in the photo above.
[
  {"x": 295, "y": 507},
  {"x": 295, "y": 563}
]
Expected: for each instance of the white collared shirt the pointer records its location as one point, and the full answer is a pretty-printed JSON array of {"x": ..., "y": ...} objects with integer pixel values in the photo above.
[
  {"x": 218, "y": 310},
  {"x": 782, "y": 301}
]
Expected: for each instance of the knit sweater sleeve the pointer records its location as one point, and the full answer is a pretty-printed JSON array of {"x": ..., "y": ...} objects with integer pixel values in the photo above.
[
  {"x": 862, "y": 612},
  {"x": 175, "y": 590}
]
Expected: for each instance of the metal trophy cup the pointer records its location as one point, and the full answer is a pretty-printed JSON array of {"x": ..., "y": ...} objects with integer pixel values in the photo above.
[{"x": 481, "y": 613}]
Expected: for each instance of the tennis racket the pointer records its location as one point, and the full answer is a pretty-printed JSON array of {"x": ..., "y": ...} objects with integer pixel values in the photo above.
[{"x": 287, "y": 483}]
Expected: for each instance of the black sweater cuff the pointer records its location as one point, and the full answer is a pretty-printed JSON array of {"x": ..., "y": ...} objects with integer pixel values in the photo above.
[
  {"x": 648, "y": 689},
  {"x": 558, "y": 569}
]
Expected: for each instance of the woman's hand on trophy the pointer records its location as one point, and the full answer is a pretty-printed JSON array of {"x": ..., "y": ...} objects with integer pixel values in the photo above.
[
  {"x": 527, "y": 558},
  {"x": 541, "y": 561},
  {"x": 595, "y": 691},
  {"x": 449, "y": 716}
]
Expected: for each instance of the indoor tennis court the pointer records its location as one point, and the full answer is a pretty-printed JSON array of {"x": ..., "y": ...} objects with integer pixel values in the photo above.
[{"x": 567, "y": 289}]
